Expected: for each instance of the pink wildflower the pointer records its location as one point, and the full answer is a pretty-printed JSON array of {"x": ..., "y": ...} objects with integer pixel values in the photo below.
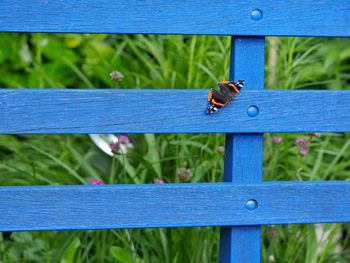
[
  {"x": 123, "y": 139},
  {"x": 115, "y": 147},
  {"x": 303, "y": 150},
  {"x": 96, "y": 182},
  {"x": 303, "y": 146},
  {"x": 277, "y": 140},
  {"x": 159, "y": 181},
  {"x": 301, "y": 142}
]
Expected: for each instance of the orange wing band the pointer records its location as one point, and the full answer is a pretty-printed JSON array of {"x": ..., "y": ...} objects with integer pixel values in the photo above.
[
  {"x": 234, "y": 87},
  {"x": 210, "y": 95},
  {"x": 217, "y": 103},
  {"x": 210, "y": 99}
]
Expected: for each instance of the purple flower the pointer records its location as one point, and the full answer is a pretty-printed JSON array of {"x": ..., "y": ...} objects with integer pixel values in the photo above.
[
  {"x": 303, "y": 150},
  {"x": 123, "y": 139},
  {"x": 301, "y": 142},
  {"x": 96, "y": 182},
  {"x": 277, "y": 140},
  {"x": 115, "y": 147},
  {"x": 159, "y": 181},
  {"x": 303, "y": 146}
]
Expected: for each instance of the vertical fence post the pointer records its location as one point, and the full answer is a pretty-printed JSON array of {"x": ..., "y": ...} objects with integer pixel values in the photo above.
[{"x": 243, "y": 153}]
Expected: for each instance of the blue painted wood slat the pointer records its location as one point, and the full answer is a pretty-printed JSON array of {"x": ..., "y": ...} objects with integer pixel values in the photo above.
[
  {"x": 243, "y": 154},
  {"x": 171, "y": 205},
  {"x": 24, "y": 111},
  {"x": 288, "y": 17}
]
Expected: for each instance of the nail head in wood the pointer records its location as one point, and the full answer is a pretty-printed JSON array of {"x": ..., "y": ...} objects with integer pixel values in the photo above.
[
  {"x": 256, "y": 15},
  {"x": 253, "y": 111},
  {"x": 251, "y": 204}
]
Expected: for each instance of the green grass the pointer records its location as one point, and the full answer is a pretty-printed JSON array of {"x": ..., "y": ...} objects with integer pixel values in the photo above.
[{"x": 85, "y": 61}]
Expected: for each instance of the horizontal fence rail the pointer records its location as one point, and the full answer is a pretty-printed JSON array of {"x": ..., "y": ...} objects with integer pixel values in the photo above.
[
  {"x": 172, "y": 205},
  {"x": 28, "y": 111},
  {"x": 239, "y": 17}
]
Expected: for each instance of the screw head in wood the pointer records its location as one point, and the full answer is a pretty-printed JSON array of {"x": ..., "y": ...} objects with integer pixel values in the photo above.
[
  {"x": 256, "y": 15},
  {"x": 251, "y": 204},
  {"x": 253, "y": 111}
]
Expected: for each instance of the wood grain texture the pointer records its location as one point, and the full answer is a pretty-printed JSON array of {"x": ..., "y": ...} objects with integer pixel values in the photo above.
[
  {"x": 243, "y": 153},
  {"x": 303, "y": 18},
  {"x": 31, "y": 111},
  {"x": 171, "y": 205}
]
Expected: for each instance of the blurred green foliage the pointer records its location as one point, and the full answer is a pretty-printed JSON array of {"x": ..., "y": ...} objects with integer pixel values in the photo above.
[{"x": 85, "y": 61}]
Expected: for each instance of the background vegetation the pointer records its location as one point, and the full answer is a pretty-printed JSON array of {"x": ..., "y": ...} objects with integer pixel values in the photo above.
[{"x": 85, "y": 61}]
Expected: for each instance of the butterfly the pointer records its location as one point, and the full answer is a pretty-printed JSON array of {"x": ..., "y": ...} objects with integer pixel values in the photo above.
[{"x": 226, "y": 93}]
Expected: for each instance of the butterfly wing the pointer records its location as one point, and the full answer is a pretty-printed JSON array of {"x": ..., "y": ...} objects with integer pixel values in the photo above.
[
  {"x": 226, "y": 93},
  {"x": 217, "y": 100}
]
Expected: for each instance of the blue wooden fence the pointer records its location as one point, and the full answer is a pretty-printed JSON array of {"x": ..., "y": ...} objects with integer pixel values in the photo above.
[{"x": 242, "y": 203}]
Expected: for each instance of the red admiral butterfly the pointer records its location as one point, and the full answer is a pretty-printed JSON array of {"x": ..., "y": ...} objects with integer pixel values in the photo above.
[{"x": 226, "y": 93}]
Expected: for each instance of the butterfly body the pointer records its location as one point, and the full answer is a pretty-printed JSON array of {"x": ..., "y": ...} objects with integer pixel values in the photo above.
[{"x": 224, "y": 95}]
